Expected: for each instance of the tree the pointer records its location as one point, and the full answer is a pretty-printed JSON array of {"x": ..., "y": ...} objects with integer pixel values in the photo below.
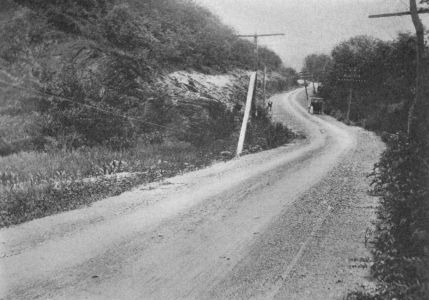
[
  {"x": 269, "y": 59},
  {"x": 317, "y": 65},
  {"x": 388, "y": 71}
]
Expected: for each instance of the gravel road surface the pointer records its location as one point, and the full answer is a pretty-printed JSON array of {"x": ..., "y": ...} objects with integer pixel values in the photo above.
[{"x": 288, "y": 223}]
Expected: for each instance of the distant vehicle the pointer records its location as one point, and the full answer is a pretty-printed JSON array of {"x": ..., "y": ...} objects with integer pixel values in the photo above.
[{"x": 317, "y": 105}]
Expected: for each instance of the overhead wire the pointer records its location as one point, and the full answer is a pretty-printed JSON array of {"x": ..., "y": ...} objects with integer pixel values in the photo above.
[{"x": 30, "y": 90}]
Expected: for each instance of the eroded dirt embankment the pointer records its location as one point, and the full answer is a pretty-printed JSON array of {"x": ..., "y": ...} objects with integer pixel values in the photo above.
[{"x": 286, "y": 223}]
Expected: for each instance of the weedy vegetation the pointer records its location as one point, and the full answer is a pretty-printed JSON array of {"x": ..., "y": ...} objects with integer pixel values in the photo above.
[{"x": 83, "y": 114}]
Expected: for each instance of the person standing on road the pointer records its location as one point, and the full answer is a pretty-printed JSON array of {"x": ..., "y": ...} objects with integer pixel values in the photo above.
[{"x": 270, "y": 105}]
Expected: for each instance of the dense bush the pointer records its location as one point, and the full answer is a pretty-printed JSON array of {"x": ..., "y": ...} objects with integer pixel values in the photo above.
[
  {"x": 287, "y": 79},
  {"x": 387, "y": 75},
  {"x": 94, "y": 62},
  {"x": 205, "y": 123},
  {"x": 401, "y": 246},
  {"x": 263, "y": 134}
]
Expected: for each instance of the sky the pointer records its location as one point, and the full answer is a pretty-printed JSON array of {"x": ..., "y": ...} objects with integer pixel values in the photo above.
[{"x": 311, "y": 26}]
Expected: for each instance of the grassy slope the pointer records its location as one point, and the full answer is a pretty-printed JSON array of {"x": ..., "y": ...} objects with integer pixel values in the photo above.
[
  {"x": 148, "y": 37},
  {"x": 36, "y": 184}
]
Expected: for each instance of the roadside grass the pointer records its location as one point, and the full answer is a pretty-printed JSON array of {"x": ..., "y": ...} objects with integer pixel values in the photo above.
[
  {"x": 34, "y": 185},
  {"x": 39, "y": 167},
  {"x": 38, "y": 184}
]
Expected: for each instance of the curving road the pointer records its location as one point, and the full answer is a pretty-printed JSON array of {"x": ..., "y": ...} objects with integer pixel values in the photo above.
[{"x": 248, "y": 228}]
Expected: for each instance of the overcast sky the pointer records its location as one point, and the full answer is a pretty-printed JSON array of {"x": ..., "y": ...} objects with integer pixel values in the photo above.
[{"x": 311, "y": 26}]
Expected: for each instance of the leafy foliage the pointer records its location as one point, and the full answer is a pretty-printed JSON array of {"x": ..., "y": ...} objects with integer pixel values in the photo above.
[
  {"x": 95, "y": 61},
  {"x": 317, "y": 65},
  {"x": 91, "y": 72},
  {"x": 387, "y": 73},
  {"x": 402, "y": 238}
]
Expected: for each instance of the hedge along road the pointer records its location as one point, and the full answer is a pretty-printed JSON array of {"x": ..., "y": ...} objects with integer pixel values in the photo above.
[{"x": 240, "y": 229}]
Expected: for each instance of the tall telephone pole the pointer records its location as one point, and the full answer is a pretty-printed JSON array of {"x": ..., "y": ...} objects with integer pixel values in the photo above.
[
  {"x": 419, "y": 96},
  {"x": 255, "y": 41},
  {"x": 252, "y": 88},
  {"x": 256, "y": 57}
]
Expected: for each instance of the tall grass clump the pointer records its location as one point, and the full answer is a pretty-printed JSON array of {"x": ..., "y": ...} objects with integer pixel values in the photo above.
[{"x": 34, "y": 184}]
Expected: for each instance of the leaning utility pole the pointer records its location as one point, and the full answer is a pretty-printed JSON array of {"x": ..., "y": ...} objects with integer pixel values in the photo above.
[
  {"x": 246, "y": 114},
  {"x": 418, "y": 99},
  {"x": 256, "y": 50},
  {"x": 252, "y": 89}
]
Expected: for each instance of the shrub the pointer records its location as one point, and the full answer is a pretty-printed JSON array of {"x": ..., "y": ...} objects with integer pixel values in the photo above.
[
  {"x": 387, "y": 71},
  {"x": 401, "y": 246},
  {"x": 205, "y": 122},
  {"x": 264, "y": 134}
]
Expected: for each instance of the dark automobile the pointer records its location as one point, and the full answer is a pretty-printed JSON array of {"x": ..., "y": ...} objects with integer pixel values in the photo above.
[{"x": 317, "y": 104}]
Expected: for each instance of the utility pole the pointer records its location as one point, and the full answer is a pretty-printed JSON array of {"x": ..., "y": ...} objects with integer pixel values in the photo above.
[
  {"x": 255, "y": 41},
  {"x": 246, "y": 114},
  {"x": 305, "y": 76},
  {"x": 419, "y": 95},
  {"x": 349, "y": 104},
  {"x": 256, "y": 51},
  {"x": 251, "y": 93},
  {"x": 314, "y": 88},
  {"x": 350, "y": 77},
  {"x": 264, "y": 84}
]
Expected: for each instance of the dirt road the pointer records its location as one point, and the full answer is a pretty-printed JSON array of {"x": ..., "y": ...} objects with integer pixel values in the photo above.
[{"x": 282, "y": 224}]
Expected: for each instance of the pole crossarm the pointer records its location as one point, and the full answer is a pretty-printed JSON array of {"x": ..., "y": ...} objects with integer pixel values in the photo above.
[{"x": 398, "y": 14}]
